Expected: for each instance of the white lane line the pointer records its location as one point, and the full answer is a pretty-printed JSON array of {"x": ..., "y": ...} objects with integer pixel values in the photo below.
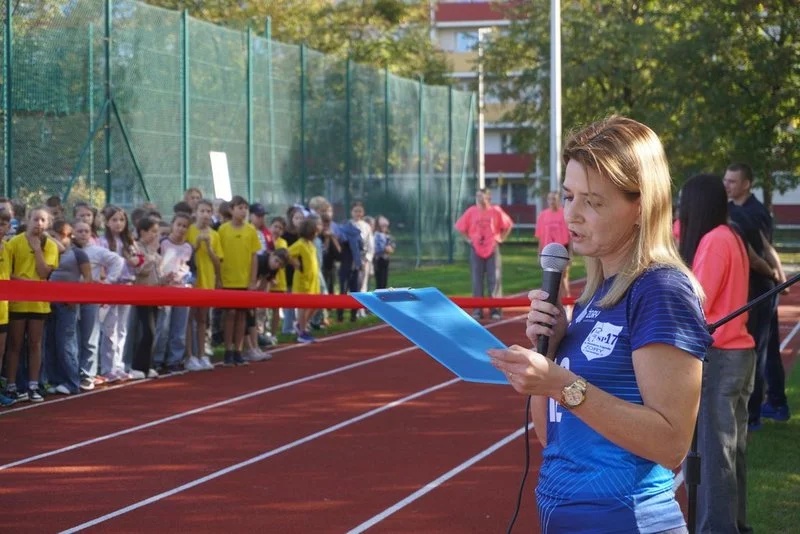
[
  {"x": 791, "y": 335},
  {"x": 374, "y": 520},
  {"x": 260, "y": 457},
  {"x": 83, "y": 395},
  {"x": 202, "y": 409}
]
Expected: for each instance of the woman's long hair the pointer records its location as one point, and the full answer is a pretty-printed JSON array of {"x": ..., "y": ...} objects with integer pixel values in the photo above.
[
  {"x": 631, "y": 157},
  {"x": 703, "y": 207}
]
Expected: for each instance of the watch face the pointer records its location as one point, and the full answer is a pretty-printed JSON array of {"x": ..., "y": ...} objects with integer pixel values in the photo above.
[{"x": 573, "y": 396}]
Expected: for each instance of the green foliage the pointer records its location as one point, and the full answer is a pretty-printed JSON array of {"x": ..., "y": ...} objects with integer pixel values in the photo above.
[
  {"x": 718, "y": 81},
  {"x": 381, "y": 33}
]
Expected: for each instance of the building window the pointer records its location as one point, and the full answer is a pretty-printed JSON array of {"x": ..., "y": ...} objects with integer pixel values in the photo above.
[
  {"x": 519, "y": 193},
  {"x": 506, "y": 144},
  {"x": 466, "y": 41}
]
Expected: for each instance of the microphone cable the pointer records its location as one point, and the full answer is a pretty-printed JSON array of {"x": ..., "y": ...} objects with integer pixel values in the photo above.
[{"x": 527, "y": 466}]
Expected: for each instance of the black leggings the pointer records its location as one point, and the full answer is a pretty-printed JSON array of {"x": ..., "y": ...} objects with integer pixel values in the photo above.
[{"x": 144, "y": 345}]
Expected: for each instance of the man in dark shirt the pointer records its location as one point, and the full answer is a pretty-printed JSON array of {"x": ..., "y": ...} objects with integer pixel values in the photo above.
[{"x": 756, "y": 223}]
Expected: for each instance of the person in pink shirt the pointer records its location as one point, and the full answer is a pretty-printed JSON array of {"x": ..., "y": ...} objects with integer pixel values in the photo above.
[
  {"x": 552, "y": 228},
  {"x": 718, "y": 257},
  {"x": 485, "y": 226}
]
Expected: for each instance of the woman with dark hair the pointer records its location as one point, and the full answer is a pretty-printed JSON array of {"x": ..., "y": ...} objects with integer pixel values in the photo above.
[{"x": 719, "y": 260}]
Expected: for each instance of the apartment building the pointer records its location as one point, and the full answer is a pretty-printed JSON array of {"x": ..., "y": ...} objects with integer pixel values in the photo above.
[{"x": 510, "y": 175}]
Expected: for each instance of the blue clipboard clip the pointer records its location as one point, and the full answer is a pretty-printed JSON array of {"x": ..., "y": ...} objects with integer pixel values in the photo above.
[{"x": 400, "y": 294}]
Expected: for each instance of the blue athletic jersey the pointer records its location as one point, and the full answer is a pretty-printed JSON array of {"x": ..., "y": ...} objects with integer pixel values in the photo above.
[{"x": 586, "y": 483}]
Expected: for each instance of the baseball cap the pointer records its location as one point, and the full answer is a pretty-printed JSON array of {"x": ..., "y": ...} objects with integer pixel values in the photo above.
[{"x": 258, "y": 209}]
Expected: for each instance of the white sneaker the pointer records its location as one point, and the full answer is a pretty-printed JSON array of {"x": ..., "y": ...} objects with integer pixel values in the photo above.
[
  {"x": 135, "y": 374},
  {"x": 207, "y": 365},
  {"x": 208, "y": 350},
  {"x": 255, "y": 355},
  {"x": 194, "y": 364},
  {"x": 62, "y": 389},
  {"x": 152, "y": 373}
]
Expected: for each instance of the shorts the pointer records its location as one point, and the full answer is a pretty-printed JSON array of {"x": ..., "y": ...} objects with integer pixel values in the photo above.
[
  {"x": 27, "y": 316},
  {"x": 4, "y": 328}
]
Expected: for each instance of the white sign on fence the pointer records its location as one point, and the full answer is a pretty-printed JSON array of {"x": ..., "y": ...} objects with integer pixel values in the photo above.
[{"x": 219, "y": 172}]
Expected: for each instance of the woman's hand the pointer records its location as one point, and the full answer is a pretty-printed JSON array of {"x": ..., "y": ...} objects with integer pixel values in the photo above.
[
  {"x": 545, "y": 319},
  {"x": 529, "y": 372}
]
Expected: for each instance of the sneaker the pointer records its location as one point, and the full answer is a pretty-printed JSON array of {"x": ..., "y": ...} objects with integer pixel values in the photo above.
[
  {"x": 255, "y": 355},
  {"x": 135, "y": 374},
  {"x": 207, "y": 365},
  {"x": 19, "y": 396},
  {"x": 87, "y": 383},
  {"x": 34, "y": 395},
  {"x": 305, "y": 337},
  {"x": 208, "y": 350},
  {"x": 477, "y": 315},
  {"x": 238, "y": 359},
  {"x": 6, "y": 401},
  {"x": 271, "y": 340},
  {"x": 99, "y": 380},
  {"x": 496, "y": 315},
  {"x": 194, "y": 364},
  {"x": 61, "y": 389},
  {"x": 115, "y": 376},
  {"x": 152, "y": 373},
  {"x": 263, "y": 341},
  {"x": 777, "y": 413},
  {"x": 228, "y": 359}
]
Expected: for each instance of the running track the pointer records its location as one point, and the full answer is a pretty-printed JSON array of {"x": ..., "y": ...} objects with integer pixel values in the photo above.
[{"x": 360, "y": 431}]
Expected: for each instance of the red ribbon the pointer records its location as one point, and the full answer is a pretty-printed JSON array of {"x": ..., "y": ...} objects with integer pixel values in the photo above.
[{"x": 69, "y": 292}]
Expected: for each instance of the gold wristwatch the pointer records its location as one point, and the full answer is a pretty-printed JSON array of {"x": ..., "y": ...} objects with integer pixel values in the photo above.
[{"x": 574, "y": 394}]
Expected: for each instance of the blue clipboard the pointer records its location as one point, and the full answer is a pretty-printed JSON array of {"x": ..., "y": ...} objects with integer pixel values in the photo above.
[{"x": 443, "y": 330}]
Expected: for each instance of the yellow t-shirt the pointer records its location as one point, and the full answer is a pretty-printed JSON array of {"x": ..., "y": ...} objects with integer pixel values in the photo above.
[
  {"x": 238, "y": 246},
  {"x": 205, "y": 275},
  {"x": 5, "y": 274},
  {"x": 23, "y": 265},
  {"x": 306, "y": 277},
  {"x": 280, "y": 276}
]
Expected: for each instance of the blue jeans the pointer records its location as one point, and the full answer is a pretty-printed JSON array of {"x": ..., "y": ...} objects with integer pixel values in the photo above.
[
  {"x": 488, "y": 270},
  {"x": 88, "y": 339},
  {"x": 722, "y": 441},
  {"x": 61, "y": 364},
  {"x": 170, "y": 345}
]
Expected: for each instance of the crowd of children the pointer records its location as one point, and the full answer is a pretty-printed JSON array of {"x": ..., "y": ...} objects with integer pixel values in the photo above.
[{"x": 64, "y": 348}]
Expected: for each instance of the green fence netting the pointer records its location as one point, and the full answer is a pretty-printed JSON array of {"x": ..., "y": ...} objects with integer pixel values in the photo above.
[{"x": 135, "y": 121}]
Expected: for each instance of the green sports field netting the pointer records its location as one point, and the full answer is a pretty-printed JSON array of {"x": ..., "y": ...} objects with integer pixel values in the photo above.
[{"x": 294, "y": 123}]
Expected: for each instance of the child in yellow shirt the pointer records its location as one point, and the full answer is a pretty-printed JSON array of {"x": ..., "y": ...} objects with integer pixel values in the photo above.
[
  {"x": 306, "y": 281},
  {"x": 33, "y": 256}
]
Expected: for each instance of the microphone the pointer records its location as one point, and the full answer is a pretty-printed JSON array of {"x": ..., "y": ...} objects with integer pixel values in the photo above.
[{"x": 553, "y": 259}]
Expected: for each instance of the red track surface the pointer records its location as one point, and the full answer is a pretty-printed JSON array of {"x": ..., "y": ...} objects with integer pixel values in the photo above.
[{"x": 258, "y": 448}]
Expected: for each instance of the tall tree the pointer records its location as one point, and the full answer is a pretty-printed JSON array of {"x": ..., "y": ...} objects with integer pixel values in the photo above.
[
  {"x": 717, "y": 80},
  {"x": 381, "y": 33}
]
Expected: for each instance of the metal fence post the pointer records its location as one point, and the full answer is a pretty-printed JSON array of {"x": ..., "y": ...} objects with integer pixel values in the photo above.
[
  {"x": 348, "y": 162},
  {"x": 185, "y": 170},
  {"x": 8, "y": 129},
  {"x": 107, "y": 128},
  {"x": 90, "y": 103},
  {"x": 249, "y": 92},
  {"x": 386, "y": 119},
  {"x": 273, "y": 173},
  {"x": 450, "y": 231},
  {"x": 302, "y": 122},
  {"x": 419, "y": 172}
]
